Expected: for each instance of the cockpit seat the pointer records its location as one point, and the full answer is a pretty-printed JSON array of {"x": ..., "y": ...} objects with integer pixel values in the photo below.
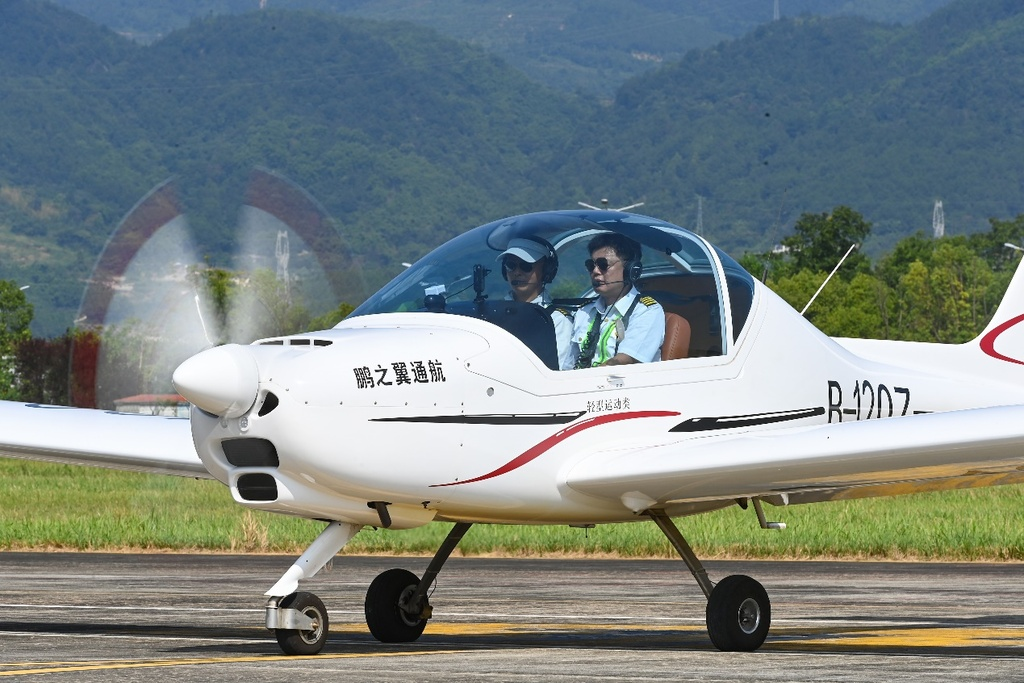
[{"x": 677, "y": 337}]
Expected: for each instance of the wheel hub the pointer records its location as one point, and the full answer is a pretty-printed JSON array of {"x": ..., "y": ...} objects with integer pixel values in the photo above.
[
  {"x": 409, "y": 613},
  {"x": 313, "y": 634},
  {"x": 749, "y": 616}
]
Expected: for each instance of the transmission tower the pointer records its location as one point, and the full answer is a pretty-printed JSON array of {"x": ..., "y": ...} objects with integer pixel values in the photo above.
[
  {"x": 281, "y": 253},
  {"x": 938, "y": 220}
]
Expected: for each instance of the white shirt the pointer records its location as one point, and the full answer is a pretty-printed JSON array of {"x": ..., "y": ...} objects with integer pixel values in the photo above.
[{"x": 640, "y": 337}]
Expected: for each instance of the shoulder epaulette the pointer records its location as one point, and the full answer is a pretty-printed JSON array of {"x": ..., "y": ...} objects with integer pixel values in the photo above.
[
  {"x": 648, "y": 301},
  {"x": 564, "y": 311}
]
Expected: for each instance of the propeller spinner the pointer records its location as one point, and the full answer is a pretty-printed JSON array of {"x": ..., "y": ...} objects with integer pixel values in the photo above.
[{"x": 222, "y": 381}]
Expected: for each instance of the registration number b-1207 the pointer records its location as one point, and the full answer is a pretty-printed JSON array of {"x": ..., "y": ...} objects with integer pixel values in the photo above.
[{"x": 866, "y": 401}]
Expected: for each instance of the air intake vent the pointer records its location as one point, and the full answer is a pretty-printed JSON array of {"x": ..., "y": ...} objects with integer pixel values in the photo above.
[
  {"x": 250, "y": 452},
  {"x": 295, "y": 341},
  {"x": 270, "y": 402},
  {"x": 257, "y": 487}
]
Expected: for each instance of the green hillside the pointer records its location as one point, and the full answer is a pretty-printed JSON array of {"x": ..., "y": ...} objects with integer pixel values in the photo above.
[
  {"x": 589, "y": 46},
  {"x": 805, "y": 114},
  {"x": 406, "y": 137}
]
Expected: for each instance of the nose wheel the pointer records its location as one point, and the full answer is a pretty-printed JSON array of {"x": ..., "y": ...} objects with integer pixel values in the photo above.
[{"x": 310, "y": 639}]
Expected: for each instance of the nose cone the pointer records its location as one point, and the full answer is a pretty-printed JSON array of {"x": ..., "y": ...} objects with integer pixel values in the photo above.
[{"x": 223, "y": 380}]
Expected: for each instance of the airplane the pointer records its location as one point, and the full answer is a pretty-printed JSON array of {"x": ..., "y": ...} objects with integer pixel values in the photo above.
[{"x": 439, "y": 399}]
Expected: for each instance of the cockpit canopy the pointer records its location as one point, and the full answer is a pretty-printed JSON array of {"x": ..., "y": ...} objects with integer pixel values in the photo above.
[{"x": 685, "y": 274}]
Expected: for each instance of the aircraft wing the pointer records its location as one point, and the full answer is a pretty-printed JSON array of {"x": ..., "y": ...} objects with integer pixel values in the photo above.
[
  {"x": 960, "y": 449},
  {"x": 77, "y": 436}
]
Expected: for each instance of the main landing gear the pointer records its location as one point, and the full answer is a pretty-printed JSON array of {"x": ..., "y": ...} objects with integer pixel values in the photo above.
[
  {"x": 396, "y": 607},
  {"x": 396, "y": 604},
  {"x": 739, "y": 613}
]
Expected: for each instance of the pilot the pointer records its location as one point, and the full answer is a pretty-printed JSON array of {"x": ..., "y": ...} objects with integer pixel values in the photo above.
[
  {"x": 621, "y": 326},
  {"x": 529, "y": 264}
]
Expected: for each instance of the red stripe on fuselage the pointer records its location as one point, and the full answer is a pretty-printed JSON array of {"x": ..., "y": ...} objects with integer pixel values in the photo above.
[
  {"x": 556, "y": 438},
  {"x": 988, "y": 342}
]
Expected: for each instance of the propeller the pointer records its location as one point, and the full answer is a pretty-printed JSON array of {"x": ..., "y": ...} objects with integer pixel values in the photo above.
[{"x": 166, "y": 305}]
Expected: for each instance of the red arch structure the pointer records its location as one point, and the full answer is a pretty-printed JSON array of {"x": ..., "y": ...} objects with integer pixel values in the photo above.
[{"x": 268, "y": 192}]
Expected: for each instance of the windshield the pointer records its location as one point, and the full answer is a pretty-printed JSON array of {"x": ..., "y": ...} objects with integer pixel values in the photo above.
[{"x": 679, "y": 271}]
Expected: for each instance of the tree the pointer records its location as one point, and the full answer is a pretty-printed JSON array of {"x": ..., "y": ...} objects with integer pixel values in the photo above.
[
  {"x": 219, "y": 287},
  {"x": 43, "y": 368},
  {"x": 264, "y": 307},
  {"x": 331, "y": 318},
  {"x": 15, "y": 317},
  {"x": 947, "y": 301},
  {"x": 991, "y": 245},
  {"x": 820, "y": 240}
]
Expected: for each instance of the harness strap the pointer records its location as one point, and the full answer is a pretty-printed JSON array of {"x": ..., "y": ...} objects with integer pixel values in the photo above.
[{"x": 591, "y": 343}]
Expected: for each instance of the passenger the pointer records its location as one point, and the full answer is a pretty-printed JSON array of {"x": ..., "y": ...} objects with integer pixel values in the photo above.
[
  {"x": 621, "y": 326},
  {"x": 529, "y": 264}
]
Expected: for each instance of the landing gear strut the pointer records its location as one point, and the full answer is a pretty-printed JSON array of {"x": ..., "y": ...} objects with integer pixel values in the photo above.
[
  {"x": 299, "y": 620},
  {"x": 396, "y": 604},
  {"x": 739, "y": 613}
]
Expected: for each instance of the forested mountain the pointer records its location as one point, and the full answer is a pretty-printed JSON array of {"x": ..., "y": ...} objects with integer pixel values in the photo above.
[
  {"x": 808, "y": 113},
  {"x": 590, "y": 46},
  {"x": 407, "y": 137}
]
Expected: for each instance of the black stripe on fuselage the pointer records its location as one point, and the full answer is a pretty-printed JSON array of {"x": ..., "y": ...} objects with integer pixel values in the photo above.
[
  {"x": 540, "y": 419},
  {"x": 704, "y": 424}
]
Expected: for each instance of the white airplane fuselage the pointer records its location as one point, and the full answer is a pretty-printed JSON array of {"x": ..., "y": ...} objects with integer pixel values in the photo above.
[{"x": 447, "y": 417}]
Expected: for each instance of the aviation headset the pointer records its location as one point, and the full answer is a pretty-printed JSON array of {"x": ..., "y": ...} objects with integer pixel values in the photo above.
[
  {"x": 632, "y": 268},
  {"x": 632, "y": 271},
  {"x": 550, "y": 260}
]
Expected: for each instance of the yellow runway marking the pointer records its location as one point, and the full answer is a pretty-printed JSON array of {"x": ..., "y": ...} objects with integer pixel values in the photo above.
[
  {"x": 927, "y": 637},
  {"x": 791, "y": 638},
  {"x": 109, "y": 665}
]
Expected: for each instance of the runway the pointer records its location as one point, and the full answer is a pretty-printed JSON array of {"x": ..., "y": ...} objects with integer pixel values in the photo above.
[{"x": 108, "y": 617}]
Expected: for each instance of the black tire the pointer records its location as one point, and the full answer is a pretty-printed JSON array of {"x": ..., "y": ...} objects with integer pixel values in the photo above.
[
  {"x": 739, "y": 614},
  {"x": 299, "y": 642},
  {"x": 387, "y": 621}
]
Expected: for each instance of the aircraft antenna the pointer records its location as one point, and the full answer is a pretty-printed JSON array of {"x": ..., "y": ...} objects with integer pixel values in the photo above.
[
  {"x": 604, "y": 206},
  {"x": 848, "y": 251},
  {"x": 938, "y": 220}
]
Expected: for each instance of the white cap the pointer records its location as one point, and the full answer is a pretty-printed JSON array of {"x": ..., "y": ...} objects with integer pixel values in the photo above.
[{"x": 525, "y": 249}]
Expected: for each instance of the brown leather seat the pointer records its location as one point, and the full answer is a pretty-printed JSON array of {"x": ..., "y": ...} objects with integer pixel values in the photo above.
[{"x": 677, "y": 337}]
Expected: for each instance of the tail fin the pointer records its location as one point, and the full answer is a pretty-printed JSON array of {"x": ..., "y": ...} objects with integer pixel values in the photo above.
[{"x": 1003, "y": 338}]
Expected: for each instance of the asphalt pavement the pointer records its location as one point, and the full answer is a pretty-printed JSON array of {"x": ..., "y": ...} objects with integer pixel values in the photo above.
[{"x": 120, "y": 617}]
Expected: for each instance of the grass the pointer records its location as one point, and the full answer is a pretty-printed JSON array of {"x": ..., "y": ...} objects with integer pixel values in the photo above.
[{"x": 60, "y": 507}]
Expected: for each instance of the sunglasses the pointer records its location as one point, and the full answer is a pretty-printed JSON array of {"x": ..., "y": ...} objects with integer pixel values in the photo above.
[
  {"x": 602, "y": 264},
  {"x": 512, "y": 263}
]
